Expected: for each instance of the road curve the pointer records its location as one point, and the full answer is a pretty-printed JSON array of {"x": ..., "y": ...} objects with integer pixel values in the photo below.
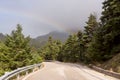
[{"x": 66, "y": 71}]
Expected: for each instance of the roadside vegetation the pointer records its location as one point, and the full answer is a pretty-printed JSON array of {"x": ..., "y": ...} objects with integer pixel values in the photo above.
[
  {"x": 98, "y": 44},
  {"x": 15, "y": 52}
]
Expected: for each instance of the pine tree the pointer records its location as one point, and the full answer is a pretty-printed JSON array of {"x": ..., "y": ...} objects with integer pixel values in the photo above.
[
  {"x": 69, "y": 51},
  {"x": 81, "y": 46},
  {"x": 86, "y": 39},
  {"x": 90, "y": 29},
  {"x": 4, "y": 58},
  {"x": 95, "y": 51},
  {"x": 106, "y": 42},
  {"x": 111, "y": 26},
  {"x": 19, "y": 48},
  {"x": 51, "y": 50}
]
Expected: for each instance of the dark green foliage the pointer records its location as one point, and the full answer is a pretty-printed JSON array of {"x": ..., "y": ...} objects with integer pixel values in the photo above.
[
  {"x": 15, "y": 52},
  {"x": 87, "y": 37},
  {"x": 69, "y": 51},
  {"x": 81, "y": 46},
  {"x": 75, "y": 48},
  {"x": 111, "y": 25},
  {"x": 96, "y": 48},
  {"x": 36, "y": 58},
  {"x": 19, "y": 48},
  {"x": 90, "y": 29},
  {"x": 106, "y": 41},
  {"x": 4, "y": 58},
  {"x": 51, "y": 50}
]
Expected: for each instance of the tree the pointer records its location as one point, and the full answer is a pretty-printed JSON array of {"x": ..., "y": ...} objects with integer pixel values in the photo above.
[
  {"x": 81, "y": 46},
  {"x": 86, "y": 37},
  {"x": 90, "y": 29},
  {"x": 95, "y": 51},
  {"x": 19, "y": 49},
  {"x": 36, "y": 57},
  {"x": 69, "y": 51},
  {"x": 4, "y": 58},
  {"x": 111, "y": 25},
  {"x": 106, "y": 41},
  {"x": 51, "y": 50},
  {"x": 15, "y": 52}
]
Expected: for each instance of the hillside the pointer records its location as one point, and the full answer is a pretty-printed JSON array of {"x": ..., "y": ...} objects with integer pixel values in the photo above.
[
  {"x": 41, "y": 40},
  {"x": 113, "y": 64}
]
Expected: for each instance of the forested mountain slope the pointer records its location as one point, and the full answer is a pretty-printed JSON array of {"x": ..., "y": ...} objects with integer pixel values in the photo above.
[{"x": 41, "y": 40}]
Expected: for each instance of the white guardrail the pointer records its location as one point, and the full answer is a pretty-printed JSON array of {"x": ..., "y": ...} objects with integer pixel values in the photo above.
[{"x": 18, "y": 73}]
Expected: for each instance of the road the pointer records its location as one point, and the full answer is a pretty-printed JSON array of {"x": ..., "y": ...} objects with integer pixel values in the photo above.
[{"x": 66, "y": 71}]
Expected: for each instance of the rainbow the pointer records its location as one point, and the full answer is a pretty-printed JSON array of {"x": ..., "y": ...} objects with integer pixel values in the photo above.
[{"x": 35, "y": 17}]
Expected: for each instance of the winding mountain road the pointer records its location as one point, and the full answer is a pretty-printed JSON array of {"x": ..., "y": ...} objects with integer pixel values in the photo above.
[{"x": 66, "y": 71}]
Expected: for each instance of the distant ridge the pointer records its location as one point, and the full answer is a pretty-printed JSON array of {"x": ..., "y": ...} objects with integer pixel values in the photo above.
[{"x": 56, "y": 35}]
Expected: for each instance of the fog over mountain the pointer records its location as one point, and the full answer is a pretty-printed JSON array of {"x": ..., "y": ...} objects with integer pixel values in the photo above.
[{"x": 39, "y": 17}]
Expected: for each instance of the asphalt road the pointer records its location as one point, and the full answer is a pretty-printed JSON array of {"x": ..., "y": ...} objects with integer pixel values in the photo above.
[{"x": 66, "y": 71}]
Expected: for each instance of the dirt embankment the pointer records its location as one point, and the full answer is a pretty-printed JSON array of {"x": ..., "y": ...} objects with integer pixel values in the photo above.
[{"x": 113, "y": 64}]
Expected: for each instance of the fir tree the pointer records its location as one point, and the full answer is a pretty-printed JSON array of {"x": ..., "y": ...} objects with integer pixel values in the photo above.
[
  {"x": 106, "y": 42},
  {"x": 90, "y": 29},
  {"x": 69, "y": 51},
  {"x": 111, "y": 26},
  {"x": 51, "y": 50},
  {"x": 19, "y": 48}
]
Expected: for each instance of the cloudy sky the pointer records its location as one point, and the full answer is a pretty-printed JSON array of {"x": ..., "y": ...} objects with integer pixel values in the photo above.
[{"x": 39, "y": 17}]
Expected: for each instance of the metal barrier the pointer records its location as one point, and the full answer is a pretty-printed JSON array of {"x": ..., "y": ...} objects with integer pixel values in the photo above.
[
  {"x": 16, "y": 73},
  {"x": 113, "y": 74}
]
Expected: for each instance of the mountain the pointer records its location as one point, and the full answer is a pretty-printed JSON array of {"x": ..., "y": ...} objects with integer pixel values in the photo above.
[
  {"x": 56, "y": 35},
  {"x": 2, "y": 37}
]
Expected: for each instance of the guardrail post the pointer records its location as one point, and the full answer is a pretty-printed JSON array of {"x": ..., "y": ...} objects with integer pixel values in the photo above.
[
  {"x": 18, "y": 77},
  {"x": 33, "y": 70},
  {"x": 26, "y": 73}
]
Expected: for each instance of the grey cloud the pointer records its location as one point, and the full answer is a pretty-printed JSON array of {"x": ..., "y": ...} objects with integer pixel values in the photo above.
[{"x": 70, "y": 14}]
